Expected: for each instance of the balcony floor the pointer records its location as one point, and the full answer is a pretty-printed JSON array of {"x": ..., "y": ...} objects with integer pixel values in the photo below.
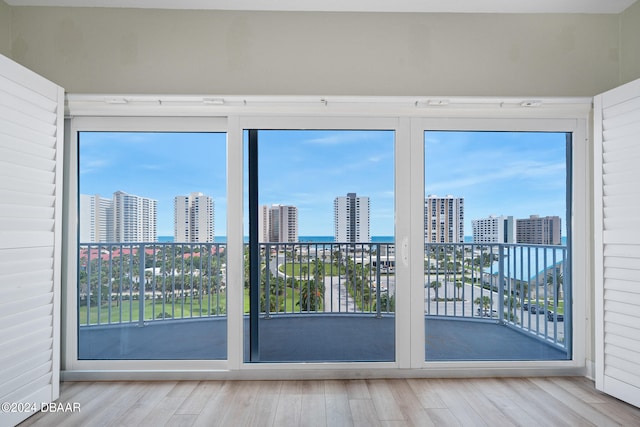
[{"x": 313, "y": 338}]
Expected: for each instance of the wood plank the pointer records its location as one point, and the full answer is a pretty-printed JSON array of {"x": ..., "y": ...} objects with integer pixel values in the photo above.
[
  {"x": 382, "y": 398},
  {"x": 617, "y": 410},
  {"x": 289, "y": 409},
  {"x": 577, "y": 405},
  {"x": 442, "y": 417},
  {"x": 556, "y": 401},
  {"x": 409, "y": 403},
  {"x": 313, "y": 410},
  {"x": 473, "y": 392},
  {"x": 520, "y": 410},
  {"x": 547, "y": 407},
  {"x": 358, "y": 389},
  {"x": 426, "y": 394},
  {"x": 182, "y": 420},
  {"x": 154, "y": 393},
  {"x": 364, "y": 413},
  {"x": 449, "y": 392},
  {"x": 264, "y": 403},
  {"x": 199, "y": 397},
  {"x": 337, "y": 403},
  {"x": 121, "y": 404},
  {"x": 218, "y": 406}
]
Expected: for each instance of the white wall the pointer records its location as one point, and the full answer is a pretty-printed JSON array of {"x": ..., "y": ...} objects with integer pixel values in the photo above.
[{"x": 90, "y": 50}]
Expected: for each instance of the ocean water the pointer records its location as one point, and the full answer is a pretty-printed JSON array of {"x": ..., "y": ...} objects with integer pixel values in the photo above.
[
  {"x": 301, "y": 239},
  {"x": 325, "y": 239}
]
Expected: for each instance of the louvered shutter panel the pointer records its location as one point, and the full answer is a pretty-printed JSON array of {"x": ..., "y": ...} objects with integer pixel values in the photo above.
[
  {"x": 617, "y": 241},
  {"x": 31, "y": 138}
]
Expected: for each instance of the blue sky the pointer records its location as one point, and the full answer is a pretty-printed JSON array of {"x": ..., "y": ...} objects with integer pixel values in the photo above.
[
  {"x": 309, "y": 169},
  {"x": 515, "y": 174},
  {"x": 156, "y": 165},
  {"x": 499, "y": 173}
]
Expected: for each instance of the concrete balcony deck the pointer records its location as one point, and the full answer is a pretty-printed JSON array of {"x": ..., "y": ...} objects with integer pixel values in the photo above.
[{"x": 315, "y": 338}]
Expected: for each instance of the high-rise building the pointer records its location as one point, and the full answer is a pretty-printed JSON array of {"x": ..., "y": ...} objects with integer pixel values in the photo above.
[
  {"x": 134, "y": 218},
  {"x": 193, "y": 219},
  {"x": 443, "y": 219},
  {"x": 495, "y": 229},
  {"x": 537, "y": 230},
  {"x": 96, "y": 219},
  {"x": 278, "y": 223},
  {"x": 351, "y": 219}
]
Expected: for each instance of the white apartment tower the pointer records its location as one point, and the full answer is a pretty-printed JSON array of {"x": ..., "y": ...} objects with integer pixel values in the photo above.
[
  {"x": 443, "y": 219},
  {"x": 351, "y": 219},
  {"x": 134, "y": 218},
  {"x": 278, "y": 223},
  {"x": 538, "y": 230},
  {"x": 494, "y": 229},
  {"x": 193, "y": 219},
  {"x": 96, "y": 219}
]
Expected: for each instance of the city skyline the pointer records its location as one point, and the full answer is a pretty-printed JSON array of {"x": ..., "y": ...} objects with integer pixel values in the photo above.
[{"x": 497, "y": 173}]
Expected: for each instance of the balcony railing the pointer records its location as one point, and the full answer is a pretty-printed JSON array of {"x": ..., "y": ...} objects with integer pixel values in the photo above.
[
  {"x": 522, "y": 286},
  {"x": 327, "y": 278},
  {"x": 141, "y": 282}
]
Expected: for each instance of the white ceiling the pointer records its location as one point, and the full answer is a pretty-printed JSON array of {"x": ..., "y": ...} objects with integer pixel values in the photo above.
[{"x": 436, "y": 6}]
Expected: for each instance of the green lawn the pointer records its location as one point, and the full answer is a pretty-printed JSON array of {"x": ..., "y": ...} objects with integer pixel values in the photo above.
[{"x": 129, "y": 310}]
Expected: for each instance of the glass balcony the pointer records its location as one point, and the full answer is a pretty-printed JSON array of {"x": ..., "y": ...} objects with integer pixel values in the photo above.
[{"x": 168, "y": 301}]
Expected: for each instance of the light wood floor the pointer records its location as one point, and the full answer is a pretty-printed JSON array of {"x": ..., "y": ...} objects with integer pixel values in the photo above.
[{"x": 398, "y": 402}]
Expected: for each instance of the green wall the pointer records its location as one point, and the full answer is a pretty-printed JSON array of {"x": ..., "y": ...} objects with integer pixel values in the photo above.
[
  {"x": 5, "y": 29},
  {"x": 93, "y": 50},
  {"x": 630, "y": 43}
]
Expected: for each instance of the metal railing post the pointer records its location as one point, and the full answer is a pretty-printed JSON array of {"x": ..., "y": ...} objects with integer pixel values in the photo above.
[
  {"x": 141, "y": 285},
  {"x": 501, "y": 283},
  {"x": 378, "y": 309},
  {"x": 88, "y": 284},
  {"x": 99, "y": 287},
  {"x": 267, "y": 281}
]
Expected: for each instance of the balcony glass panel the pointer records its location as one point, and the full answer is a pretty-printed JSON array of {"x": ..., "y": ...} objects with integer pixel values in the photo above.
[
  {"x": 151, "y": 261},
  {"x": 326, "y": 283},
  {"x": 495, "y": 285}
]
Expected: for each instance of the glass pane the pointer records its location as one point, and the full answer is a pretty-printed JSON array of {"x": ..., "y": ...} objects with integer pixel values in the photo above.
[
  {"x": 327, "y": 254},
  {"x": 496, "y": 251},
  {"x": 152, "y": 276}
]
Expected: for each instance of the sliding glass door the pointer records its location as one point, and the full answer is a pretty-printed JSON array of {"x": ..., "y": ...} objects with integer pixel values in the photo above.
[
  {"x": 152, "y": 246},
  {"x": 497, "y": 243},
  {"x": 327, "y": 241},
  {"x": 320, "y": 282}
]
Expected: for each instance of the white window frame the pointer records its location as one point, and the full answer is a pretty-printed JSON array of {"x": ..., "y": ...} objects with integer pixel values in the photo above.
[
  {"x": 71, "y": 363},
  {"x": 581, "y": 273},
  {"x": 409, "y": 117},
  {"x": 401, "y": 156}
]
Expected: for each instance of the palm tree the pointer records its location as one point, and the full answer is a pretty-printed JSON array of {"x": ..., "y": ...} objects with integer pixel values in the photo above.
[
  {"x": 484, "y": 302},
  {"x": 435, "y": 285},
  {"x": 458, "y": 287},
  {"x": 554, "y": 281}
]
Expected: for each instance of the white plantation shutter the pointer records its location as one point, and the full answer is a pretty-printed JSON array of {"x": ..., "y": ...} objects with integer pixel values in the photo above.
[
  {"x": 31, "y": 135},
  {"x": 617, "y": 241}
]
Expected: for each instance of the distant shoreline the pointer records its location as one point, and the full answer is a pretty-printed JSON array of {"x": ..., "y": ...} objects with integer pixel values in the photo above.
[
  {"x": 301, "y": 239},
  {"x": 324, "y": 239}
]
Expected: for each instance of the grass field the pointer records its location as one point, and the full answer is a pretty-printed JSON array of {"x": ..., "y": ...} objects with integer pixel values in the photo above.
[{"x": 129, "y": 311}]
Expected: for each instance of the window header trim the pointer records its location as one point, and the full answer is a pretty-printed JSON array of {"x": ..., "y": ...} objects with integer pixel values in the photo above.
[{"x": 408, "y": 106}]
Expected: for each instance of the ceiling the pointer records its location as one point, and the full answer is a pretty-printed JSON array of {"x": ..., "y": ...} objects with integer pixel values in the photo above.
[{"x": 433, "y": 6}]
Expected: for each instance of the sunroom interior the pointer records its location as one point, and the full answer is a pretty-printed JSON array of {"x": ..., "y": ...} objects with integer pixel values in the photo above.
[{"x": 407, "y": 69}]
